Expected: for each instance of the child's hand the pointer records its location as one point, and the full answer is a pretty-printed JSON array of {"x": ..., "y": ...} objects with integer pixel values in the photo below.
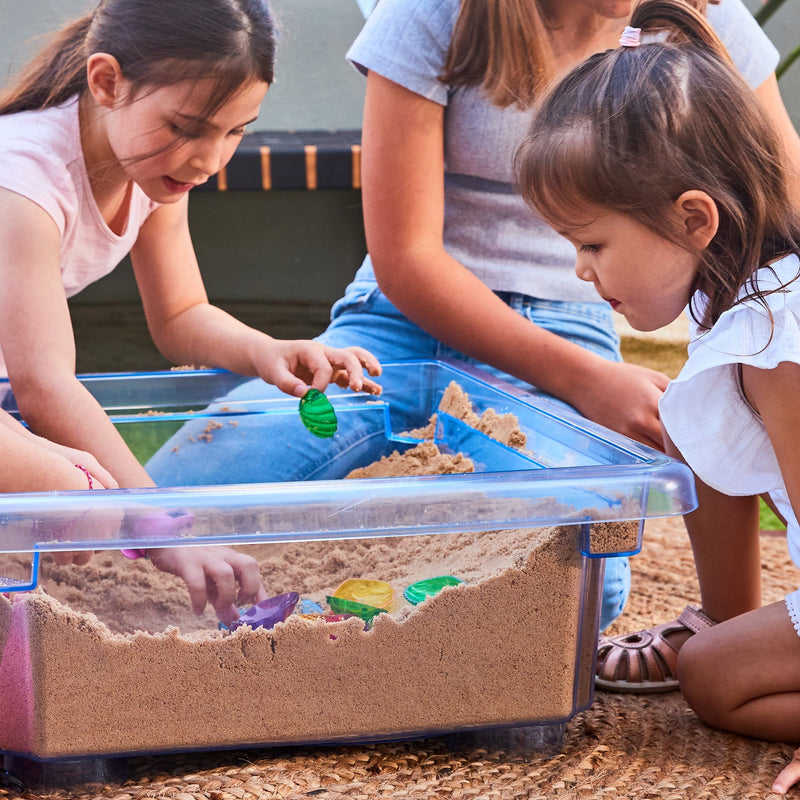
[
  {"x": 101, "y": 477},
  {"x": 104, "y": 524},
  {"x": 624, "y": 397},
  {"x": 789, "y": 775},
  {"x": 107, "y": 521},
  {"x": 211, "y": 575},
  {"x": 296, "y": 366},
  {"x": 79, "y": 557}
]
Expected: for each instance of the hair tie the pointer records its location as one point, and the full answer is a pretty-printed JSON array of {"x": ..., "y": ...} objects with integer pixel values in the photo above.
[
  {"x": 87, "y": 474},
  {"x": 631, "y": 37}
]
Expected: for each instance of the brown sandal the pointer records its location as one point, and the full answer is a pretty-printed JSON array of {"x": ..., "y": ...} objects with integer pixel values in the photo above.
[{"x": 645, "y": 661}]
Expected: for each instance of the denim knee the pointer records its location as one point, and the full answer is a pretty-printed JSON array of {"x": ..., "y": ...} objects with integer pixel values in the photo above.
[{"x": 616, "y": 588}]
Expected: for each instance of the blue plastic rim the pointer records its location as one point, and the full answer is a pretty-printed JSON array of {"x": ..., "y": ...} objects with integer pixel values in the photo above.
[
  {"x": 571, "y": 471},
  {"x": 16, "y": 585}
]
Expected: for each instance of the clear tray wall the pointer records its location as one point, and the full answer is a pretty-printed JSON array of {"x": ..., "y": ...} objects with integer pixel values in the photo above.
[{"x": 513, "y": 645}]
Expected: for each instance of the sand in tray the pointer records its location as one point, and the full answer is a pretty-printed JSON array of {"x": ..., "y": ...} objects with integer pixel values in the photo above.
[{"x": 109, "y": 658}]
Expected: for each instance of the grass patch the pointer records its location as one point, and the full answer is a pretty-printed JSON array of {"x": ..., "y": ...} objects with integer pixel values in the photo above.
[
  {"x": 145, "y": 438},
  {"x": 666, "y": 357},
  {"x": 767, "y": 521}
]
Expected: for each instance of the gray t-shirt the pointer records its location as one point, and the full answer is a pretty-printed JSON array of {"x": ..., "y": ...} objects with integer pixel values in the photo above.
[{"x": 487, "y": 225}]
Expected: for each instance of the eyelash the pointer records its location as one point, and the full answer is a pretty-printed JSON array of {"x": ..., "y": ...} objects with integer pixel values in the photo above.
[
  {"x": 589, "y": 248},
  {"x": 185, "y": 133}
]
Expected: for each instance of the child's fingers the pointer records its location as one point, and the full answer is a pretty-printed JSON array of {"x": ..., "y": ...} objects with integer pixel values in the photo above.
[
  {"x": 195, "y": 579},
  {"x": 788, "y": 776},
  {"x": 224, "y": 573},
  {"x": 211, "y": 575},
  {"x": 83, "y": 557},
  {"x": 247, "y": 572},
  {"x": 367, "y": 360},
  {"x": 103, "y": 477},
  {"x": 370, "y": 387},
  {"x": 341, "y": 378},
  {"x": 310, "y": 361},
  {"x": 229, "y": 615},
  {"x": 350, "y": 363},
  {"x": 220, "y": 583},
  {"x": 79, "y": 557},
  {"x": 321, "y": 368},
  {"x": 290, "y": 384}
]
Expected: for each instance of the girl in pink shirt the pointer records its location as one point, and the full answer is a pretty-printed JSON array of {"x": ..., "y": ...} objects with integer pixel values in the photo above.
[{"x": 101, "y": 139}]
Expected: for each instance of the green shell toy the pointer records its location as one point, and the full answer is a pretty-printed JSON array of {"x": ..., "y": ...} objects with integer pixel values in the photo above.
[
  {"x": 421, "y": 590},
  {"x": 341, "y": 606},
  {"x": 317, "y": 414}
]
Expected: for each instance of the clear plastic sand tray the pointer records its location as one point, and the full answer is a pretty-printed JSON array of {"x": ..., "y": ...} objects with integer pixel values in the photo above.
[{"x": 481, "y": 585}]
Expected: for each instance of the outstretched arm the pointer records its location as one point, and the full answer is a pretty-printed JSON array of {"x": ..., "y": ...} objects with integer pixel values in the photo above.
[
  {"x": 38, "y": 344},
  {"x": 187, "y": 329},
  {"x": 39, "y": 348},
  {"x": 403, "y": 192},
  {"x": 33, "y": 464}
]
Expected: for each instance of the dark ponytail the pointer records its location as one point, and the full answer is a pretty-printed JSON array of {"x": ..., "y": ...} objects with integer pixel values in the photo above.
[
  {"x": 54, "y": 75},
  {"x": 157, "y": 44},
  {"x": 679, "y": 21}
]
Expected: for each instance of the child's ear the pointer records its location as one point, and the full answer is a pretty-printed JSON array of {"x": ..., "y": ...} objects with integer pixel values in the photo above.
[
  {"x": 105, "y": 80},
  {"x": 698, "y": 217}
]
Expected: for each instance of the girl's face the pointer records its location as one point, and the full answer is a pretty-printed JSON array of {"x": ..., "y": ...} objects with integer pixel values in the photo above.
[
  {"x": 643, "y": 276},
  {"x": 162, "y": 141}
]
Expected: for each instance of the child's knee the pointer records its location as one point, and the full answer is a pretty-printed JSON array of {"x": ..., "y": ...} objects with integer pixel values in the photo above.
[{"x": 699, "y": 676}]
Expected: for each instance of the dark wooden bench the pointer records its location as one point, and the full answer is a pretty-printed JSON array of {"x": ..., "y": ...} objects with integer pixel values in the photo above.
[{"x": 272, "y": 160}]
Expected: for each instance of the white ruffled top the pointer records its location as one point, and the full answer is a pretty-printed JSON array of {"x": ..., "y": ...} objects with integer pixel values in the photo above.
[{"x": 704, "y": 411}]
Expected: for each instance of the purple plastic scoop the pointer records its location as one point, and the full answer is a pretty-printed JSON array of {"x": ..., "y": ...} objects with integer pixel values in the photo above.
[{"x": 268, "y": 612}]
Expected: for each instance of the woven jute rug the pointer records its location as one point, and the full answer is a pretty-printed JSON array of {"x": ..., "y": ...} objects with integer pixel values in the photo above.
[{"x": 623, "y": 746}]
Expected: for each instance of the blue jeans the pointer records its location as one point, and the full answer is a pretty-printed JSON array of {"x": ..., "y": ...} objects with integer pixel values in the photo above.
[{"x": 256, "y": 451}]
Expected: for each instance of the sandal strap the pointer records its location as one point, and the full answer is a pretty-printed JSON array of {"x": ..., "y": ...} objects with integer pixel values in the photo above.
[
  {"x": 695, "y": 620},
  {"x": 646, "y": 661},
  {"x": 643, "y": 656}
]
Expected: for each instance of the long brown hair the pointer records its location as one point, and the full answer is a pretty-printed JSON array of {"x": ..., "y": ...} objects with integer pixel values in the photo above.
[
  {"x": 504, "y": 47},
  {"x": 157, "y": 44},
  {"x": 631, "y": 129}
]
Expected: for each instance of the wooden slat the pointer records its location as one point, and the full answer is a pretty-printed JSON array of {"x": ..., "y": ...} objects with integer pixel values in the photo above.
[
  {"x": 355, "y": 150},
  {"x": 266, "y": 174},
  {"x": 311, "y": 166}
]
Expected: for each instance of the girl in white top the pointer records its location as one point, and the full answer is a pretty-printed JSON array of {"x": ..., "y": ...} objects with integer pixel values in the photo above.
[
  {"x": 655, "y": 161},
  {"x": 101, "y": 139}
]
